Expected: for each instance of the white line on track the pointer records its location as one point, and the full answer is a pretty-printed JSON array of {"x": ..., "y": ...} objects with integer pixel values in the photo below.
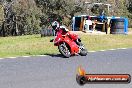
[
  {"x": 47, "y": 55},
  {"x": 1, "y": 58},
  {"x": 108, "y": 50}
]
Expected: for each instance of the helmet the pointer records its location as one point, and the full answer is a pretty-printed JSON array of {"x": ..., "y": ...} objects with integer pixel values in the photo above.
[{"x": 55, "y": 25}]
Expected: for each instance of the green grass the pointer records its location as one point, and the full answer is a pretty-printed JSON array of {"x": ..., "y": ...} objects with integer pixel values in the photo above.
[
  {"x": 26, "y": 45},
  {"x": 35, "y": 45},
  {"x": 100, "y": 42},
  {"x": 130, "y": 29}
]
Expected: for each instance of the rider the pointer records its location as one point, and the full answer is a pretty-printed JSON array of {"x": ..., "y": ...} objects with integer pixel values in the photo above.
[
  {"x": 63, "y": 30},
  {"x": 56, "y": 26}
]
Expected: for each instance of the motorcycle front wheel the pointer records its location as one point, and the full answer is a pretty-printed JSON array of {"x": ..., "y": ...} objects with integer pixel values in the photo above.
[{"x": 64, "y": 49}]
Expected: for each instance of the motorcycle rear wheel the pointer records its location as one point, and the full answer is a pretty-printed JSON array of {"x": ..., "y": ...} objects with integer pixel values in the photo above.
[
  {"x": 83, "y": 50},
  {"x": 64, "y": 50}
]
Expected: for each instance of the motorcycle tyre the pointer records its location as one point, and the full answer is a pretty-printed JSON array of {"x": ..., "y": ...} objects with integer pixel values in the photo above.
[
  {"x": 65, "y": 55},
  {"x": 84, "y": 51}
]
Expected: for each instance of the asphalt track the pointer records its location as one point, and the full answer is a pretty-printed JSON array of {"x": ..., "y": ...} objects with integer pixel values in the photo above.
[{"x": 56, "y": 72}]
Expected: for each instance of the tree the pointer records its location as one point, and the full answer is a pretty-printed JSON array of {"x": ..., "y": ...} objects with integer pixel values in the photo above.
[
  {"x": 27, "y": 16},
  {"x": 57, "y": 9},
  {"x": 130, "y": 6}
]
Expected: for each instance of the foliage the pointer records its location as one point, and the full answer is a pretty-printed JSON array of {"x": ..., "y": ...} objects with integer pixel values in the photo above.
[
  {"x": 1, "y": 14},
  {"x": 31, "y": 15},
  {"x": 130, "y": 6},
  {"x": 28, "y": 16},
  {"x": 57, "y": 9}
]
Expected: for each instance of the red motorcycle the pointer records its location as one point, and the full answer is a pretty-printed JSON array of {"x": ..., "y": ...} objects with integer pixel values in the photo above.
[{"x": 69, "y": 44}]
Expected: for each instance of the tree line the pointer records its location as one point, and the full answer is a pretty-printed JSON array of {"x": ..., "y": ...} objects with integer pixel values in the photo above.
[{"x": 21, "y": 17}]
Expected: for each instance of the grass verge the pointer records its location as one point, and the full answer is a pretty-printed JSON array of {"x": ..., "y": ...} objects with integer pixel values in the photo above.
[{"x": 35, "y": 45}]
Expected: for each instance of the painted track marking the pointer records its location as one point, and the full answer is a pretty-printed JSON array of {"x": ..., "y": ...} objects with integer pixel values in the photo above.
[{"x": 47, "y": 55}]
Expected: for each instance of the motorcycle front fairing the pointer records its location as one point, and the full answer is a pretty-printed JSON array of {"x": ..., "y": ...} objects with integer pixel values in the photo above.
[
  {"x": 57, "y": 40},
  {"x": 65, "y": 39},
  {"x": 73, "y": 46},
  {"x": 68, "y": 38}
]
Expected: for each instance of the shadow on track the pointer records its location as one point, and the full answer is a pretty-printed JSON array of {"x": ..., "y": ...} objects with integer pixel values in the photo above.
[
  {"x": 56, "y": 55},
  {"x": 60, "y": 55}
]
